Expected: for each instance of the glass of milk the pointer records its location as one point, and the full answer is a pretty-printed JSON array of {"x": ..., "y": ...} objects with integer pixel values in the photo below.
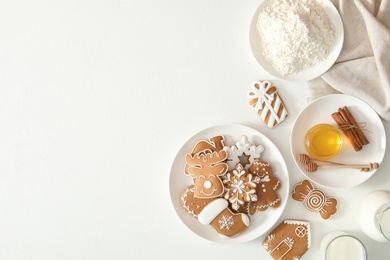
[
  {"x": 338, "y": 245},
  {"x": 374, "y": 215}
]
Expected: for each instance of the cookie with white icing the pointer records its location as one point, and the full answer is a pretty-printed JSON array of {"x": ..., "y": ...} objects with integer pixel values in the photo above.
[
  {"x": 214, "y": 212},
  {"x": 266, "y": 189},
  {"x": 290, "y": 240},
  {"x": 213, "y": 144},
  {"x": 192, "y": 204},
  {"x": 240, "y": 186},
  {"x": 315, "y": 200},
  {"x": 266, "y": 101},
  {"x": 206, "y": 170},
  {"x": 222, "y": 219},
  {"x": 243, "y": 152}
]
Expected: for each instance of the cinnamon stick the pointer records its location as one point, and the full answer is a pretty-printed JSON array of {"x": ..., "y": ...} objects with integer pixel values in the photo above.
[
  {"x": 361, "y": 137},
  {"x": 341, "y": 122},
  {"x": 348, "y": 124}
]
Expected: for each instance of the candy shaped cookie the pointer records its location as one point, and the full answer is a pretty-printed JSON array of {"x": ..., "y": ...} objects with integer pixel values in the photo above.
[
  {"x": 267, "y": 103},
  {"x": 266, "y": 188},
  {"x": 243, "y": 152},
  {"x": 214, "y": 212},
  {"x": 206, "y": 169},
  {"x": 315, "y": 200},
  {"x": 240, "y": 187}
]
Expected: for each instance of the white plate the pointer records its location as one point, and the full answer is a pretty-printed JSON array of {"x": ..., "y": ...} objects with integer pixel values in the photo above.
[
  {"x": 320, "y": 111},
  {"x": 262, "y": 221},
  {"x": 311, "y": 72}
]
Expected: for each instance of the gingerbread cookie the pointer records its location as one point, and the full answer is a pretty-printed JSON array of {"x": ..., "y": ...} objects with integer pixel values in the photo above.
[
  {"x": 315, "y": 200},
  {"x": 289, "y": 241},
  {"x": 214, "y": 144},
  {"x": 266, "y": 188},
  {"x": 243, "y": 152},
  {"x": 222, "y": 219},
  {"x": 267, "y": 103},
  {"x": 240, "y": 187},
  {"x": 206, "y": 169},
  {"x": 214, "y": 212},
  {"x": 192, "y": 204}
]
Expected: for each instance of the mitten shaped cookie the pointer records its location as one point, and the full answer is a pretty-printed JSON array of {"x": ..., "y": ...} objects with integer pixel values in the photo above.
[
  {"x": 214, "y": 212},
  {"x": 265, "y": 189}
]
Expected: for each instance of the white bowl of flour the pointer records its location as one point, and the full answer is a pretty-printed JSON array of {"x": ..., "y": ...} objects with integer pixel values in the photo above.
[{"x": 296, "y": 39}]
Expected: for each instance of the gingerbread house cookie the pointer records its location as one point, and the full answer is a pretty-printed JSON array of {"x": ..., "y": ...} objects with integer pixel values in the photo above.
[{"x": 289, "y": 241}]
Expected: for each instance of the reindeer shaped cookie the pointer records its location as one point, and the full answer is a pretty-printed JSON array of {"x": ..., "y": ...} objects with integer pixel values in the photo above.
[
  {"x": 205, "y": 169},
  {"x": 214, "y": 144}
]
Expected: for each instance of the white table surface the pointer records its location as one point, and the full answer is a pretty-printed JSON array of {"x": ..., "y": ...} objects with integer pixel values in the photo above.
[{"x": 96, "y": 99}]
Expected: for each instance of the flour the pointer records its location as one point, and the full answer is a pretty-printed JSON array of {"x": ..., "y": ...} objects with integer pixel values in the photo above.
[{"x": 295, "y": 34}]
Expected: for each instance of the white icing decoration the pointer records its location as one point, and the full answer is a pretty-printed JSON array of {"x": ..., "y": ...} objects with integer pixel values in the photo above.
[
  {"x": 271, "y": 237},
  {"x": 245, "y": 219},
  {"x": 185, "y": 202},
  {"x": 212, "y": 210},
  {"x": 242, "y": 148},
  {"x": 264, "y": 102},
  {"x": 265, "y": 179},
  {"x": 300, "y": 231},
  {"x": 207, "y": 184},
  {"x": 236, "y": 186},
  {"x": 301, "y": 223},
  {"x": 226, "y": 222},
  {"x": 289, "y": 241}
]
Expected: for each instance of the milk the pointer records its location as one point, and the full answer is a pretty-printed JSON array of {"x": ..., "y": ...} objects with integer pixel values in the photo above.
[
  {"x": 338, "y": 245},
  {"x": 374, "y": 215},
  {"x": 345, "y": 247}
]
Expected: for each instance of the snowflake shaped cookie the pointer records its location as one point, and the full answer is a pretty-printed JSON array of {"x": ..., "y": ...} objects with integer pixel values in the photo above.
[
  {"x": 240, "y": 186},
  {"x": 243, "y": 152}
]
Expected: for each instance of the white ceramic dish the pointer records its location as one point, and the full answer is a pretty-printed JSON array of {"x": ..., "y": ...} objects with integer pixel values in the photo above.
[
  {"x": 311, "y": 72},
  {"x": 262, "y": 221},
  {"x": 320, "y": 111}
]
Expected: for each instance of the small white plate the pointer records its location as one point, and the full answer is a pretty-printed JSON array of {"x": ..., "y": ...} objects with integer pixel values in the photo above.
[
  {"x": 320, "y": 111},
  {"x": 311, "y": 72},
  {"x": 261, "y": 222}
]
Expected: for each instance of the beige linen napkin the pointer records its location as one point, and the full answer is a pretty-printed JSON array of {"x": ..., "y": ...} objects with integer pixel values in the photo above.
[{"x": 363, "y": 67}]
